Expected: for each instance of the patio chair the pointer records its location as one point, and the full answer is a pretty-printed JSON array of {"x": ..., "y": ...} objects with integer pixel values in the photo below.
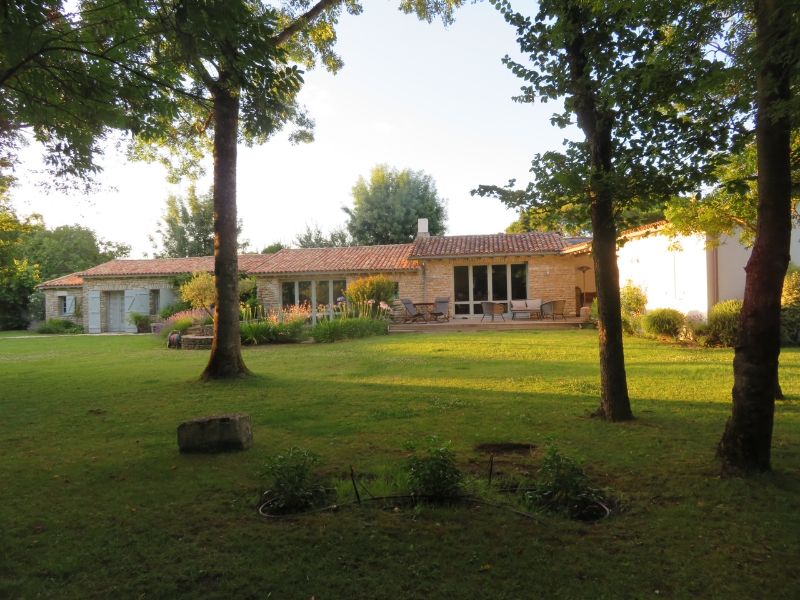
[
  {"x": 441, "y": 309},
  {"x": 412, "y": 313},
  {"x": 553, "y": 309},
  {"x": 492, "y": 309}
]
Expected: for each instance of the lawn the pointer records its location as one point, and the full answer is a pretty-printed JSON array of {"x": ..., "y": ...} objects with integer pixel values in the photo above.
[{"x": 96, "y": 502}]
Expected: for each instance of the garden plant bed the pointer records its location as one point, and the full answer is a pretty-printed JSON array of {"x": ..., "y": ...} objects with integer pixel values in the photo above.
[{"x": 98, "y": 502}]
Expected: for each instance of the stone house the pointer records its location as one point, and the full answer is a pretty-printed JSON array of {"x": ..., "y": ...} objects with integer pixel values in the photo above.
[{"x": 467, "y": 269}]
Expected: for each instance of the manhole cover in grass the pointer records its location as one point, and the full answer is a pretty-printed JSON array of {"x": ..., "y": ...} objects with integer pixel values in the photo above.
[{"x": 505, "y": 448}]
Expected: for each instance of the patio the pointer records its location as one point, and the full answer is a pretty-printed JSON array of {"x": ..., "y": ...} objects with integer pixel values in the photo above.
[{"x": 474, "y": 323}]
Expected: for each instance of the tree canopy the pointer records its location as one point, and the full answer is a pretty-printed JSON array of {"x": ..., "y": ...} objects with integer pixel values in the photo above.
[
  {"x": 313, "y": 237},
  {"x": 386, "y": 208},
  {"x": 69, "y": 248},
  {"x": 187, "y": 226},
  {"x": 731, "y": 207},
  {"x": 273, "y": 248},
  {"x": 18, "y": 276}
]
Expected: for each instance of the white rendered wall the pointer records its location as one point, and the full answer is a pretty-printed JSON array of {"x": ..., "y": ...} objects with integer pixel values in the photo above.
[
  {"x": 732, "y": 257},
  {"x": 671, "y": 271}
]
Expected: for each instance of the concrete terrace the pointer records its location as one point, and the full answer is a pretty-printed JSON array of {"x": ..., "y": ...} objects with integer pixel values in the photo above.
[{"x": 474, "y": 323}]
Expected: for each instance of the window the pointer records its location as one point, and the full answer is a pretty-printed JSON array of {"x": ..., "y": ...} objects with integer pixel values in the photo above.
[
  {"x": 155, "y": 302},
  {"x": 66, "y": 305},
  {"x": 304, "y": 293},
  {"x": 519, "y": 281},
  {"x": 287, "y": 294},
  {"x": 324, "y": 292},
  {"x": 498, "y": 283}
]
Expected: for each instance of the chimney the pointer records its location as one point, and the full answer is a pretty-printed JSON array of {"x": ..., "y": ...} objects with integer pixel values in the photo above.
[{"x": 422, "y": 228}]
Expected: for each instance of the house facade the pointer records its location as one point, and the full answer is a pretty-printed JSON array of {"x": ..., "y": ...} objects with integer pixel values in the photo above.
[
  {"x": 466, "y": 269},
  {"x": 684, "y": 272}
]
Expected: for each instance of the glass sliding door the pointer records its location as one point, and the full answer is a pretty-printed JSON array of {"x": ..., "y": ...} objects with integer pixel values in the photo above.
[
  {"x": 498, "y": 283},
  {"x": 480, "y": 287},
  {"x": 461, "y": 290},
  {"x": 519, "y": 281},
  {"x": 288, "y": 295},
  {"x": 324, "y": 292}
]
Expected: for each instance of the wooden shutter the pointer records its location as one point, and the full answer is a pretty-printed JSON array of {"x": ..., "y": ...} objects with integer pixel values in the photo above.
[
  {"x": 94, "y": 312},
  {"x": 137, "y": 300}
]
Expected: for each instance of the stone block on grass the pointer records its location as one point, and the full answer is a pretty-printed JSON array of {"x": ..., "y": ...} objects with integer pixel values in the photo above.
[{"x": 221, "y": 433}]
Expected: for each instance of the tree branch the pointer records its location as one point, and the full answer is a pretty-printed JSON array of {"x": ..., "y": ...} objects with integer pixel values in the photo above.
[{"x": 304, "y": 21}]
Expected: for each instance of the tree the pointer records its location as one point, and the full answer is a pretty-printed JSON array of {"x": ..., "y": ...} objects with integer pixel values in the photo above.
[
  {"x": 69, "y": 248},
  {"x": 731, "y": 208},
  {"x": 314, "y": 238},
  {"x": 18, "y": 277},
  {"x": 233, "y": 57},
  {"x": 200, "y": 292},
  {"x": 70, "y": 72},
  {"x": 632, "y": 75},
  {"x": 568, "y": 219},
  {"x": 747, "y": 440},
  {"x": 274, "y": 247},
  {"x": 198, "y": 70},
  {"x": 187, "y": 226},
  {"x": 386, "y": 208}
]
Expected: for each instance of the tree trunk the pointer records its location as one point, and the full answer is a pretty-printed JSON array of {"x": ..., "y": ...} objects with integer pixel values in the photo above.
[
  {"x": 226, "y": 355},
  {"x": 747, "y": 440},
  {"x": 596, "y": 124},
  {"x": 614, "y": 401}
]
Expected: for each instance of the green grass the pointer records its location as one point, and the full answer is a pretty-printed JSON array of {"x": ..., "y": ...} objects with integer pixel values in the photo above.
[{"x": 96, "y": 502}]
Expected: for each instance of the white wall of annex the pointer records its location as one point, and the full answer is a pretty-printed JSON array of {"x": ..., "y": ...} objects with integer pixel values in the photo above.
[{"x": 671, "y": 271}]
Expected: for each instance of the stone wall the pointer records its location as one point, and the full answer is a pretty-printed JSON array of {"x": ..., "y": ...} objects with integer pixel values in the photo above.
[
  {"x": 550, "y": 277},
  {"x": 269, "y": 288},
  {"x": 119, "y": 284},
  {"x": 52, "y": 304}
]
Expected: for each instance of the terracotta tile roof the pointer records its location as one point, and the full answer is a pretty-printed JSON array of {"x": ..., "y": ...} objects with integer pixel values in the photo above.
[
  {"x": 488, "y": 245},
  {"x": 165, "y": 266},
  {"x": 71, "y": 280},
  {"x": 639, "y": 231},
  {"x": 394, "y": 257}
]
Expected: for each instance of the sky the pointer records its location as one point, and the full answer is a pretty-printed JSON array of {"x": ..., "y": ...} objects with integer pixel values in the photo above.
[{"x": 411, "y": 95}]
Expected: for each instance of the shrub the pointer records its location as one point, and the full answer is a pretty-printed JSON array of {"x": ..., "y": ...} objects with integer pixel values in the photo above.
[
  {"x": 790, "y": 295},
  {"x": 171, "y": 309},
  {"x": 181, "y": 321},
  {"x": 631, "y": 324},
  {"x": 562, "y": 487},
  {"x": 695, "y": 328},
  {"x": 723, "y": 323},
  {"x": 434, "y": 475},
  {"x": 633, "y": 299},
  {"x": 200, "y": 291},
  {"x": 141, "y": 321},
  {"x": 375, "y": 287},
  {"x": 664, "y": 321},
  {"x": 292, "y": 485},
  {"x": 790, "y": 325},
  {"x": 257, "y": 332},
  {"x": 267, "y": 331},
  {"x": 59, "y": 326},
  {"x": 343, "y": 329}
]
